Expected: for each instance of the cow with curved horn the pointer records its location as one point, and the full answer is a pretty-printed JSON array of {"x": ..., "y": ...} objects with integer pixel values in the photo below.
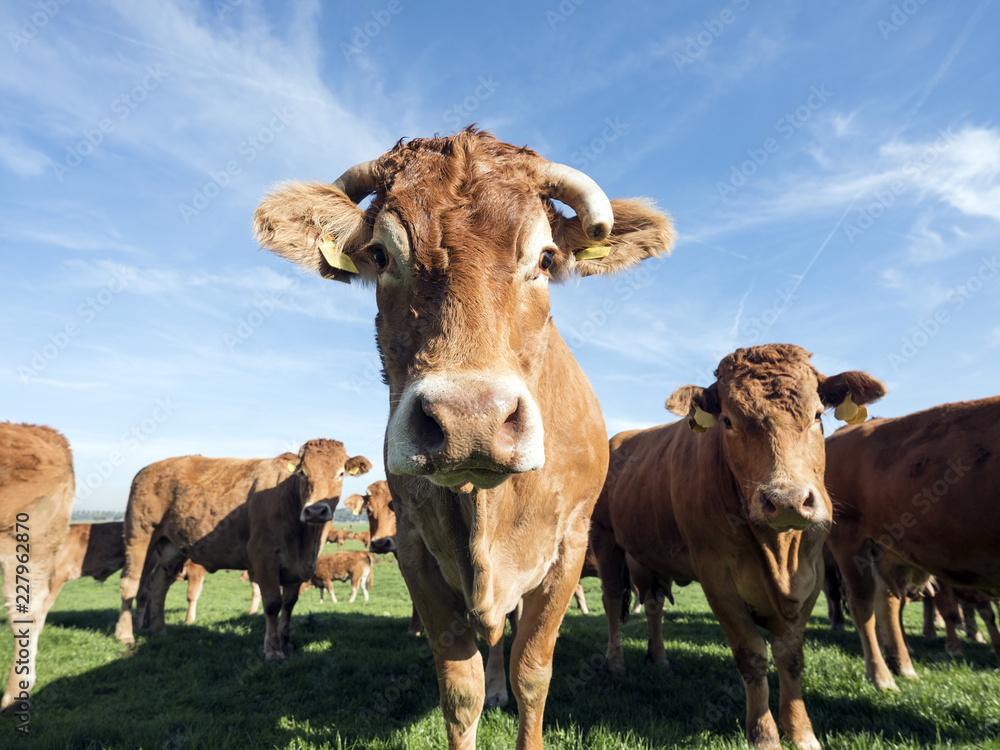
[{"x": 495, "y": 448}]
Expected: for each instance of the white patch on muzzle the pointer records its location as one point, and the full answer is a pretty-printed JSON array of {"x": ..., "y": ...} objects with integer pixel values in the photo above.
[{"x": 408, "y": 453}]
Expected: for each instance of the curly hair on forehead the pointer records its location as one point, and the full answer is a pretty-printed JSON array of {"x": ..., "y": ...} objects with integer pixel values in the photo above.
[
  {"x": 761, "y": 379},
  {"x": 461, "y": 160},
  {"x": 322, "y": 445}
]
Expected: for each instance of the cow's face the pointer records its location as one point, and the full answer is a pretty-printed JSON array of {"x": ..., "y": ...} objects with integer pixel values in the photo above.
[
  {"x": 377, "y": 503},
  {"x": 320, "y": 476},
  {"x": 765, "y": 407},
  {"x": 461, "y": 242}
]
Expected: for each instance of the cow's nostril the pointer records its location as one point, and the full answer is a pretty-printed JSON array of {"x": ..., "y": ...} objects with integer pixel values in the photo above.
[
  {"x": 766, "y": 505},
  {"x": 810, "y": 502},
  {"x": 427, "y": 429}
]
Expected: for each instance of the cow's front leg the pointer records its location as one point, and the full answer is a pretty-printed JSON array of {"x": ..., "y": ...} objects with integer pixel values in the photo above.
[
  {"x": 750, "y": 653},
  {"x": 270, "y": 597},
  {"x": 786, "y": 647},
  {"x": 537, "y": 629},
  {"x": 459, "y": 666},
  {"x": 289, "y": 595}
]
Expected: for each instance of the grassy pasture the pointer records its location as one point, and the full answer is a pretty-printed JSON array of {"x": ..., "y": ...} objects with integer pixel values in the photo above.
[{"x": 357, "y": 680}]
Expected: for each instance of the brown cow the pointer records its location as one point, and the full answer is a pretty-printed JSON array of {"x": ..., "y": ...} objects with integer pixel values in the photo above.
[
  {"x": 496, "y": 447},
  {"x": 268, "y": 515},
  {"x": 915, "y": 496},
  {"x": 740, "y": 508},
  {"x": 338, "y": 536},
  {"x": 90, "y": 549},
  {"x": 36, "y": 499},
  {"x": 342, "y": 566},
  {"x": 362, "y": 536}
]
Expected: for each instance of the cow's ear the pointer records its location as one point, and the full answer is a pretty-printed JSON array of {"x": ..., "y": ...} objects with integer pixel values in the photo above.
[
  {"x": 640, "y": 231},
  {"x": 860, "y": 386},
  {"x": 355, "y": 504},
  {"x": 312, "y": 224},
  {"x": 699, "y": 405},
  {"x": 357, "y": 465}
]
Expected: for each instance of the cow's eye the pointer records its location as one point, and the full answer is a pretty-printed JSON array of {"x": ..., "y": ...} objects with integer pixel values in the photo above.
[
  {"x": 545, "y": 260},
  {"x": 727, "y": 422},
  {"x": 380, "y": 256},
  {"x": 819, "y": 416}
]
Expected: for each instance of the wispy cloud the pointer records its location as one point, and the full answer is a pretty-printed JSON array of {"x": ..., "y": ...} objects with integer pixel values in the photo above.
[{"x": 20, "y": 158}]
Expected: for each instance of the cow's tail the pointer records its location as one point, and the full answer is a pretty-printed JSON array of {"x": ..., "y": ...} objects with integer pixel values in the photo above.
[
  {"x": 626, "y": 594},
  {"x": 371, "y": 572}
]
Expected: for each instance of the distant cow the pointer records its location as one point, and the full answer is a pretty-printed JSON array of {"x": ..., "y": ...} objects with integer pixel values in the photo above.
[
  {"x": 355, "y": 567},
  {"x": 36, "y": 499},
  {"x": 363, "y": 536},
  {"x": 914, "y": 496},
  {"x": 740, "y": 507},
  {"x": 338, "y": 536},
  {"x": 91, "y": 549},
  {"x": 269, "y": 516},
  {"x": 376, "y": 503},
  {"x": 495, "y": 447}
]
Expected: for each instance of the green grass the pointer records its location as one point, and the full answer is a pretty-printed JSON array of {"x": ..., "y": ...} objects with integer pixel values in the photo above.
[{"x": 357, "y": 680}]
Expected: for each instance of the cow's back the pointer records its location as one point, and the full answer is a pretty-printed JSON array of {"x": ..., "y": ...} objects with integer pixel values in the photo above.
[
  {"x": 925, "y": 486},
  {"x": 200, "y": 504},
  {"x": 36, "y": 477}
]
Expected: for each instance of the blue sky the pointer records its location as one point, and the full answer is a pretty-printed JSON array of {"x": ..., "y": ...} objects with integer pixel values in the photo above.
[{"x": 833, "y": 171}]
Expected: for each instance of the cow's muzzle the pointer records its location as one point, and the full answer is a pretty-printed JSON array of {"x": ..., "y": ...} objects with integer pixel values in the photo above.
[
  {"x": 789, "y": 508},
  {"x": 467, "y": 427},
  {"x": 383, "y": 545},
  {"x": 316, "y": 513}
]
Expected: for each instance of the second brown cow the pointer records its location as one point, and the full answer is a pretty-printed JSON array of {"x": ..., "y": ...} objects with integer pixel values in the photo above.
[
  {"x": 741, "y": 508},
  {"x": 355, "y": 567},
  {"x": 269, "y": 516}
]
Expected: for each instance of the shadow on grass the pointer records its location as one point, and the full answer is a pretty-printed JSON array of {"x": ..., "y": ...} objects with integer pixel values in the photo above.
[
  {"x": 702, "y": 692},
  {"x": 359, "y": 677},
  {"x": 355, "y": 675}
]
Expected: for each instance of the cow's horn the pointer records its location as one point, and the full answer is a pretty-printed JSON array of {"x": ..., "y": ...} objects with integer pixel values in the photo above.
[
  {"x": 357, "y": 182},
  {"x": 583, "y": 195}
]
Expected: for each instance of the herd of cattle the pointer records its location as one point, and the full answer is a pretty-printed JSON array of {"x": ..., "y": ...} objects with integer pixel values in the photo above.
[{"x": 500, "y": 476}]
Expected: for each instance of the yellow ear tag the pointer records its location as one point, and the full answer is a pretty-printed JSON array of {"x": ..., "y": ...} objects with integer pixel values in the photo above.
[
  {"x": 353, "y": 471},
  {"x": 702, "y": 419},
  {"x": 592, "y": 253},
  {"x": 291, "y": 467},
  {"x": 850, "y": 412},
  {"x": 334, "y": 257}
]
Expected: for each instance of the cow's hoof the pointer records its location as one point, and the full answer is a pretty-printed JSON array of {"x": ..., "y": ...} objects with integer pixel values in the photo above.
[
  {"x": 495, "y": 701},
  {"x": 807, "y": 743},
  {"x": 660, "y": 661},
  {"x": 884, "y": 682},
  {"x": 615, "y": 666},
  {"x": 273, "y": 656},
  {"x": 954, "y": 648}
]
